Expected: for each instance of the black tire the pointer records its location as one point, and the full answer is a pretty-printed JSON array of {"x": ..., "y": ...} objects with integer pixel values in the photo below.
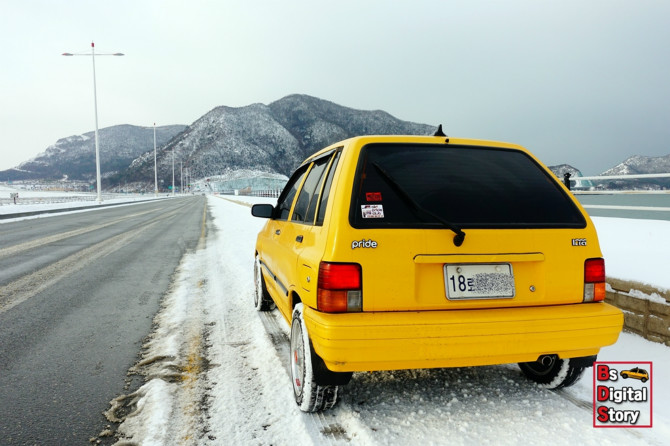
[
  {"x": 262, "y": 299},
  {"x": 554, "y": 373},
  {"x": 644, "y": 380},
  {"x": 309, "y": 395},
  {"x": 624, "y": 375}
]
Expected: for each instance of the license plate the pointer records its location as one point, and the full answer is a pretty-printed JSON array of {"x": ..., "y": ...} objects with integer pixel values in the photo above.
[{"x": 479, "y": 281}]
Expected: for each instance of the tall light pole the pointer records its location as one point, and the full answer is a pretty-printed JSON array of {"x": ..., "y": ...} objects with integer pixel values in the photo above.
[
  {"x": 95, "y": 105},
  {"x": 173, "y": 172},
  {"x": 155, "y": 166}
]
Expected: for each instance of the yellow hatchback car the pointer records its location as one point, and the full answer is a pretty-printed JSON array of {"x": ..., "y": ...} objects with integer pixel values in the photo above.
[
  {"x": 635, "y": 373},
  {"x": 406, "y": 252}
]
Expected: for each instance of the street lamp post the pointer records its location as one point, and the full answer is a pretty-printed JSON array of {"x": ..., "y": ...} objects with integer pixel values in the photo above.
[
  {"x": 155, "y": 166},
  {"x": 95, "y": 105},
  {"x": 173, "y": 194}
]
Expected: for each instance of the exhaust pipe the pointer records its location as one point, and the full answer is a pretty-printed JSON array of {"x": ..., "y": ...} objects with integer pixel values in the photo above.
[{"x": 546, "y": 360}]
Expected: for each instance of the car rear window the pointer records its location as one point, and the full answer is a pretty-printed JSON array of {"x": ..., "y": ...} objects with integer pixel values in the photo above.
[{"x": 401, "y": 185}]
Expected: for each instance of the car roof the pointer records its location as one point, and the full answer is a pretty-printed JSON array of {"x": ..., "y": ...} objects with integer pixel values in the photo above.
[{"x": 359, "y": 141}]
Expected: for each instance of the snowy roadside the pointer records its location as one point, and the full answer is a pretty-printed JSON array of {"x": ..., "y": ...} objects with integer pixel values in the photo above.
[
  {"x": 215, "y": 375},
  {"x": 46, "y": 206},
  {"x": 635, "y": 250}
]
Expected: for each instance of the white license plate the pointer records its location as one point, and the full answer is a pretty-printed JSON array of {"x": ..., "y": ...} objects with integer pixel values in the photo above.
[{"x": 479, "y": 281}]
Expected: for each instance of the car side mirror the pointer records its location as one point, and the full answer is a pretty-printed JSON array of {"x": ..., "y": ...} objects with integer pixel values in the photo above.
[{"x": 262, "y": 210}]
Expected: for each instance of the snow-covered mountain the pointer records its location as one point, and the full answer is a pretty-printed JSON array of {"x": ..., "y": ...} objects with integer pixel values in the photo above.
[
  {"x": 561, "y": 169},
  {"x": 640, "y": 165},
  {"x": 74, "y": 157},
  {"x": 636, "y": 165},
  {"x": 271, "y": 138}
]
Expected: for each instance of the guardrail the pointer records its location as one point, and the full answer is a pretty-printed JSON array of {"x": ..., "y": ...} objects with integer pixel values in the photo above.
[
  {"x": 626, "y": 177},
  {"x": 22, "y": 200},
  {"x": 567, "y": 179},
  {"x": 620, "y": 192},
  {"x": 626, "y": 208},
  {"x": 272, "y": 193}
]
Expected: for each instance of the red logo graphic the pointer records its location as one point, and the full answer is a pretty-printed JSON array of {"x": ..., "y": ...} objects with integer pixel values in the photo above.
[{"x": 373, "y": 196}]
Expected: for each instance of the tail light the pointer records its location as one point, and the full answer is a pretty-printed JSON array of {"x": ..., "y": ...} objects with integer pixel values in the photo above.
[
  {"x": 594, "y": 280},
  {"x": 339, "y": 289}
]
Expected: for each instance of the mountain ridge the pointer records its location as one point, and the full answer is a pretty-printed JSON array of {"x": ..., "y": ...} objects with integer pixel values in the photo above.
[
  {"x": 73, "y": 157},
  {"x": 274, "y": 138},
  {"x": 271, "y": 138},
  {"x": 639, "y": 164}
]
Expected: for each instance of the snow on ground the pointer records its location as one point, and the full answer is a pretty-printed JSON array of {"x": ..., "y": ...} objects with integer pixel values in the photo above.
[
  {"x": 215, "y": 374},
  {"x": 245, "y": 381},
  {"x": 635, "y": 249}
]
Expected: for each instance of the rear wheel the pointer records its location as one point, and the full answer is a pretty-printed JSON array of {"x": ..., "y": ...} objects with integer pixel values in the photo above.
[
  {"x": 554, "y": 373},
  {"x": 262, "y": 299},
  {"x": 309, "y": 394}
]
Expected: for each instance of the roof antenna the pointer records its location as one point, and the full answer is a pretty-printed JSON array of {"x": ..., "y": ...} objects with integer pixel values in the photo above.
[{"x": 439, "y": 131}]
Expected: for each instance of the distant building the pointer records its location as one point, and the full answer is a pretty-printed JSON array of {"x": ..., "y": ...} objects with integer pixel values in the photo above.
[{"x": 244, "y": 183}]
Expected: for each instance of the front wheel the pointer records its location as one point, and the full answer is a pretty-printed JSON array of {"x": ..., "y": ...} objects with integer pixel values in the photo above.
[
  {"x": 309, "y": 395},
  {"x": 552, "y": 372},
  {"x": 262, "y": 299}
]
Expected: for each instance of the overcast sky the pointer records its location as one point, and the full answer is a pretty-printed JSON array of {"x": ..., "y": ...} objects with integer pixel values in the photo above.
[{"x": 581, "y": 82}]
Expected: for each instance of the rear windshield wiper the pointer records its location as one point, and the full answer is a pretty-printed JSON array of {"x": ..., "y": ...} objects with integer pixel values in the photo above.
[{"x": 460, "y": 235}]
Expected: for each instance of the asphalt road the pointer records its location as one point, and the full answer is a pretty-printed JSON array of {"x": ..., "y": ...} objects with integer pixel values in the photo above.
[{"x": 78, "y": 294}]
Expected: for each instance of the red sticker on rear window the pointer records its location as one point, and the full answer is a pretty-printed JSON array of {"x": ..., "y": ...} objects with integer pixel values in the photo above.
[{"x": 373, "y": 196}]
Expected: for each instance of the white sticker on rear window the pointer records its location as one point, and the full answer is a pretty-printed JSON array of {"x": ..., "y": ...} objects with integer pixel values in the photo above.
[{"x": 372, "y": 211}]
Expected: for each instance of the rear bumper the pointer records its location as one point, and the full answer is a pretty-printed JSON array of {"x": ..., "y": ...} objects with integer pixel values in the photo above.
[{"x": 460, "y": 338}]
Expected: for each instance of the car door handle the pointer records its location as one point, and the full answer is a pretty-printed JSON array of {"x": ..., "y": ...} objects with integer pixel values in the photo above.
[
  {"x": 278, "y": 231},
  {"x": 299, "y": 239}
]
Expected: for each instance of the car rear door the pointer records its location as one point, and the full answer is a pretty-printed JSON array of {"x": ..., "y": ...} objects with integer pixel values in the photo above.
[
  {"x": 275, "y": 256},
  {"x": 292, "y": 230},
  {"x": 308, "y": 216}
]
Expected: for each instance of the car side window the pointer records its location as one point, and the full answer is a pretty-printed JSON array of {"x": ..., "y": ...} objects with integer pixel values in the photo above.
[
  {"x": 326, "y": 190},
  {"x": 311, "y": 186},
  {"x": 285, "y": 200}
]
